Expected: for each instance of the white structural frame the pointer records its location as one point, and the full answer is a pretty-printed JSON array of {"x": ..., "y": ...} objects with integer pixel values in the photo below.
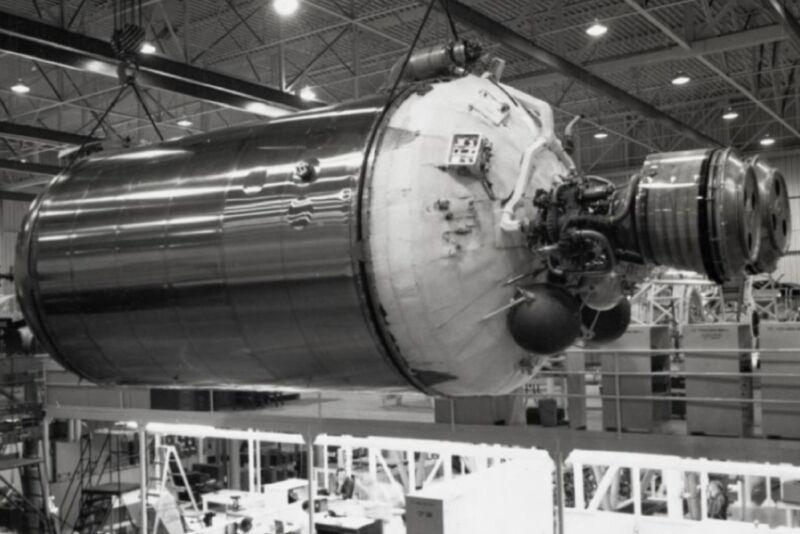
[
  {"x": 417, "y": 462},
  {"x": 605, "y": 503}
]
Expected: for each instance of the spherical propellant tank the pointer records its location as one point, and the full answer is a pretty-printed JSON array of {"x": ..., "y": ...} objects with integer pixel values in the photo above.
[{"x": 380, "y": 243}]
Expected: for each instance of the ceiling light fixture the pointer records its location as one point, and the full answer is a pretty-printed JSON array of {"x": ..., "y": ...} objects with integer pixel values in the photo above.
[
  {"x": 285, "y": 8},
  {"x": 681, "y": 78},
  {"x": 147, "y": 48},
  {"x": 307, "y": 93},
  {"x": 597, "y": 29},
  {"x": 185, "y": 123},
  {"x": 730, "y": 114},
  {"x": 20, "y": 87},
  {"x": 601, "y": 135},
  {"x": 767, "y": 141}
]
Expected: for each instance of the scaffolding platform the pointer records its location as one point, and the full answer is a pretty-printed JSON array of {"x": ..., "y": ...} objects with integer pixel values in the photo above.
[
  {"x": 112, "y": 489},
  {"x": 16, "y": 463}
]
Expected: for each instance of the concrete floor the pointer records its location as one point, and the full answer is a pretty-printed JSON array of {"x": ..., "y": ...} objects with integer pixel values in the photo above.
[{"x": 410, "y": 406}]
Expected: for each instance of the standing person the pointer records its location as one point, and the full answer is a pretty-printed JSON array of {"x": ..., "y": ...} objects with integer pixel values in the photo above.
[{"x": 717, "y": 501}]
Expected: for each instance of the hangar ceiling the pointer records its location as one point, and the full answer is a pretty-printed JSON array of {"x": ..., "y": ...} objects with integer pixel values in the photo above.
[{"x": 220, "y": 63}]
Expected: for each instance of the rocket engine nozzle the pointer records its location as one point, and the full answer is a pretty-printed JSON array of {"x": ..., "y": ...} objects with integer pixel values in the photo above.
[
  {"x": 707, "y": 211},
  {"x": 699, "y": 211}
]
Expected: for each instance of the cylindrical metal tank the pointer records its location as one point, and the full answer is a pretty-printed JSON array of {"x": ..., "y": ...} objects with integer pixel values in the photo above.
[
  {"x": 699, "y": 210},
  {"x": 331, "y": 248}
]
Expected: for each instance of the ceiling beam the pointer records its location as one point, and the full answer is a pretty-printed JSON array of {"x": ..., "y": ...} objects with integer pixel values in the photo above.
[
  {"x": 33, "y": 168},
  {"x": 53, "y": 45},
  {"x": 25, "y": 132},
  {"x": 791, "y": 150},
  {"x": 789, "y": 23},
  {"x": 714, "y": 45},
  {"x": 666, "y": 30},
  {"x": 7, "y": 194},
  {"x": 506, "y": 36}
]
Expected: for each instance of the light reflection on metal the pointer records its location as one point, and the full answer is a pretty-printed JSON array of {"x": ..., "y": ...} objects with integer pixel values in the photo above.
[
  {"x": 207, "y": 283},
  {"x": 342, "y": 247}
]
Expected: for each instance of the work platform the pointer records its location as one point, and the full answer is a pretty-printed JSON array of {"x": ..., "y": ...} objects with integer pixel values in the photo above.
[{"x": 558, "y": 441}]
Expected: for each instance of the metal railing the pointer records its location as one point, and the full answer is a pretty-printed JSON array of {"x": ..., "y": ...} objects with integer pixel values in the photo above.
[{"x": 615, "y": 378}]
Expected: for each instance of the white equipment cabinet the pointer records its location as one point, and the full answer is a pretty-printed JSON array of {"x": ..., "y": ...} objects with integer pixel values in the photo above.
[
  {"x": 780, "y": 419},
  {"x": 723, "y": 417},
  {"x": 644, "y": 411},
  {"x": 515, "y": 496}
]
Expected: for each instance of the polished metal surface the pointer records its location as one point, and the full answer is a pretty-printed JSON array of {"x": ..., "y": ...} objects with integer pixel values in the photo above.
[
  {"x": 667, "y": 209},
  {"x": 698, "y": 210},
  {"x": 776, "y": 217},
  {"x": 210, "y": 260},
  {"x": 733, "y": 214}
]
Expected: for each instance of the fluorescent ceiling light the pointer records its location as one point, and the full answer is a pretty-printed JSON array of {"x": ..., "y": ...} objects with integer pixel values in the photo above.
[
  {"x": 681, "y": 79},
  {"x": 185, "y": 123},
  {"x": 147, "y": 48},
  {"x": 597, "y": 29},
  {"x": 601, "y": 135},
  {"x": 285, "y": 8},
  {"x": 260, "y": 108},
  {"x": 307, "y": 93},
  {"x": 20, "y": 88},
  {"x": 730, "y": 114},
  {"x": 767, "y": 141}
]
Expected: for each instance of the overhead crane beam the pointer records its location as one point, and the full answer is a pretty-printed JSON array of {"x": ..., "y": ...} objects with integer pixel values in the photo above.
[
  {"x": 27, "y": 166},
  {"x": 56, "y": 46},
  {"x": 504, "y": 35},
  {"x": 26, "y": 132},
  {"x": 8, "y": 194}
]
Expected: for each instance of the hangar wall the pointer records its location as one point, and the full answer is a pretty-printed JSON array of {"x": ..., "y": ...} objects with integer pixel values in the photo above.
[{"x": 11, "y": 214}]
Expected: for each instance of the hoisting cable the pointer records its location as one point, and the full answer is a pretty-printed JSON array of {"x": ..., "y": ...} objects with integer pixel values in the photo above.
[
  {"x": 100, "y": 120},
  {"x": 450, "y": 20},
  {"x": 399, "y": 78},
  {"x": 146, "y": 109}
]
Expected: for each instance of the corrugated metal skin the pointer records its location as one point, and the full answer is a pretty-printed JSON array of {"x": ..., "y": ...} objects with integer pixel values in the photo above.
[
  {"x": 789, "y": 265},
  {"x": 12, "y": 213}
]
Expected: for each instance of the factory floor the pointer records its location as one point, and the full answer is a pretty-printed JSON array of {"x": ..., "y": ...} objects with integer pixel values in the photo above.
[{"x": 406, "y": 406}]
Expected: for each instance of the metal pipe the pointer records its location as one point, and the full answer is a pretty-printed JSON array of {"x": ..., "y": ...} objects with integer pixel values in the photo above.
[
  {"x": 737, "y": 400},
  {"x": 617, "y": 396},
  {"x": 646, "y": 352},
  {"x": 143, "y": 476},
  {"x": 506, "y": 36},
  {"x": 668, "y": 373},
  {"x": 311, "y": 482}
]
